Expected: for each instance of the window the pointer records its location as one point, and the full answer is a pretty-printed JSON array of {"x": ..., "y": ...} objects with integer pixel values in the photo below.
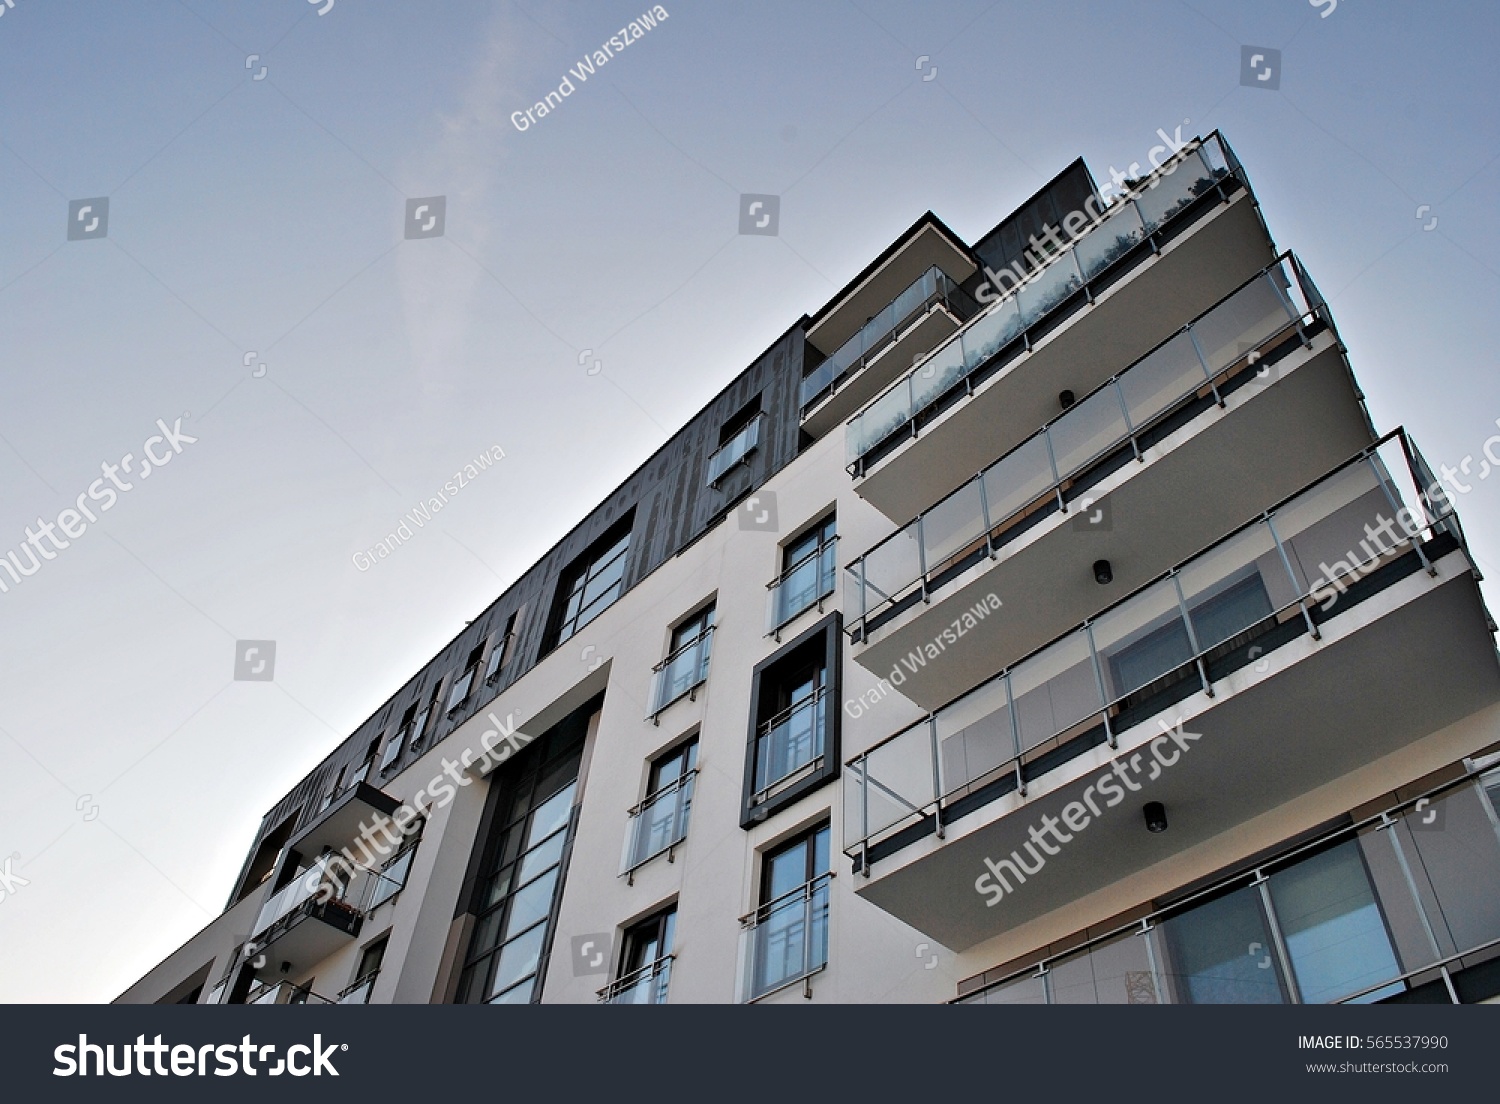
[
  {"x": 465, "y": 681},
  {"x": 391, "y": 878},
  {"x": 335, "y": 787},
  {"x": 738, "y": 438},
  {"x": 419, "y": 726},
  {"x": 788, "y": 933},
  {"x": 645, "y": 962},
  {"x": 686, "y": 665},
  {"x": 794, "y": 722},
  {"x": 267, "y": 856},
  {"x": 362, "y": 771},
  {"x": 370, "y": 960},
  {"x": 809, "y": 566},
  {"x": 661, "y": 820},
  {"x": 592, "y": 582},
  {"x": 517, "y": 881},
  {"x": 500, "y": 653}
]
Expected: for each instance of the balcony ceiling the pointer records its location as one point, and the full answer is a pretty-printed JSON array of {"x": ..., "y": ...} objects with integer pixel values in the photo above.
[{"x": 339, "y": 823}]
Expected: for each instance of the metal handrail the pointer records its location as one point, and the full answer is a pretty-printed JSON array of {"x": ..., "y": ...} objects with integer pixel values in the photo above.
[
  {"x": 651, "y": 970},
  {"x": 761, "y": 913}
]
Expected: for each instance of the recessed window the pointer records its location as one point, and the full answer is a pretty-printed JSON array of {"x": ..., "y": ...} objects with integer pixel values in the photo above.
[
  {"x": 739, "y": 437},
  {"x": 686, "y": 665},
  {"x": 362, "y": 771},
  {"x": 500, "y": 653},
  {"x": 794, "y": 722},
  {"x": 788, "y": 931},
  {"x": 591, "y": 583},
  {"x": 370, "y": 960},
  {"x": 660, "y": 822},
  {"x": 809, "y": 567},
  {"x": 465, "y": 681},
  {"x": 645, "y": 962}
]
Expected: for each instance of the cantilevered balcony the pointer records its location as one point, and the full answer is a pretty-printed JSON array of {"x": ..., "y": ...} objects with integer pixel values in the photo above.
[
  {"x": 316, "y": 914},
  {"x": 927, "y": 312},
  {"x": 1179, "y": 243},
  {"x": 1292, "y": 652},
  {"x": 1249, "y": 402}
]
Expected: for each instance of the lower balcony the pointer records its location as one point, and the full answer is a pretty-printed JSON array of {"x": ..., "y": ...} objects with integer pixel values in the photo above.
[
  {"x": 785, "y": 941},
  {"x": 1311, "y": 642},
  {"x": 1402, "y": 907},
  {"x": 648, "y": 985}
]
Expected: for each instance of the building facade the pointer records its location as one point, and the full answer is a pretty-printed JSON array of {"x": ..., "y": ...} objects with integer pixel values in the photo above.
[{"x": 1043, "y": 620}]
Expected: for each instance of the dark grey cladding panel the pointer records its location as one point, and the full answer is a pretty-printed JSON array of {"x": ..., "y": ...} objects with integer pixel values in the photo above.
[
  {"x": 673, "y": 507},
  {"x": 1068, "y": 191}
]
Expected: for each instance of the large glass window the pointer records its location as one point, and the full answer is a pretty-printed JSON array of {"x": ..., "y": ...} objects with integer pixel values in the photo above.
[{"x": 522, "y": 869}]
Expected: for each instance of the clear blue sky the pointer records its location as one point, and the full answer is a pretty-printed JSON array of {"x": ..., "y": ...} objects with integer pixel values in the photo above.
[{"x": 265, "y": 216}]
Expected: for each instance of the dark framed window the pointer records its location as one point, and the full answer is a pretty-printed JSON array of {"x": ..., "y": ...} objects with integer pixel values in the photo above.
[
  {"x": 518, "y": 880},
  {"x": 362, "y": 771},
  {"x": 660, "y": 821},
  {"x": 500, "y": 653},
  {"x": 739, "y": 437},
  {"x": 591, "y": 583},
  {"x": 645, "y": 961},
  {"x": 370, "y": 961},
  {"x": 424, "y": 718},
  {"x": 686, "y": 665},
  {"x": 809, "y": 571},
  {"x": 788, "y": 931},
  {"x": 794, "y": 730},
  {"x": 465, "y": 681}
]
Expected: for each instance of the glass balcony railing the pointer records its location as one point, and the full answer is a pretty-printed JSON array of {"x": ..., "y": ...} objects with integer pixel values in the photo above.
[
  {"x": 1399, "y": 903},
  {"x": 786, "y": 940},
  {"x": 789, "y": 744},
  {"x": 355, "y": 893},
  {"x": 1047, "y": 470},
  {"x": 659, "y": 823},
  {"x": 359, "y": 992},
  {"x": 284, "y": 992},
  {"x": 648, "y": 985},
  {"x": 1242, "y": 597},
  {"x": 803, "y": 585},
  {"x": 1131, "y": 230},
  {"x": 882, "y": 331},
  {"x": 682, "y": 672},
  {"x": 734, "y": 450}
]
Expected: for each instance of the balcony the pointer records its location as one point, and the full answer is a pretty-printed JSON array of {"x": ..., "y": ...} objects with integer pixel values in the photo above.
[
  {"x": 928, "y": 311},
  {"x": 315, "y": 915},
  {"x": 359, "y": 992},
  {"x": 681, "y": 673},
  {"x": 658, "y": 824},
  {"x": 284, "y": 992},
  {"x": 1297, "y": 649},
  {"x": 648, "y": 985},
  {"x": 1402, "y": 907},
  {"x": 1249, "y": 402},
  {"x": 1178, "y": 244},
  {"x": 339, "y": 823},
  {"x": 786, "y": 940},
  {"x": 734, "y": 451}
]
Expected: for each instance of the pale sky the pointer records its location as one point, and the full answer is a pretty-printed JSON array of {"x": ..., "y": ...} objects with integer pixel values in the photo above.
[{"x": 256, "y": 226}]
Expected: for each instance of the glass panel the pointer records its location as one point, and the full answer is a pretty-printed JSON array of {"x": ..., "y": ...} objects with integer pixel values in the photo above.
[
  {"x": 1161, "y": 379},
  {"x": 975, "y": 735},
  {"x": 1333, "y": 929},
  {"x": 880, "y": 418},
  {"x": 1055, "y": 690},
  {"x": 1220, "y": 953},
  {"x": 1454, "y": 851},
  {"x": 1141, "y": 640},
  {"x": 1026, "y": 990},
  {"x": 548, "y": 854},
  {"x": 890, "y": 568},
  {"x": 952, "y": 526},
  {"x": 1110, "y": 240},
  {"x": 1055, "y": 283},
  {"x": 550, "y": 815},
  {"x": 530, "y": 904},
  {"x": 1158, "y": 205},
  {"x": 519, "y": 958},
  {"x": 991, "y": 333},
  {"x": 1088, "y": 430},
  {"x": 940, "y": 372},
  {"x": 900, "y": 784},
  {"x": 1241, "y": 323},
  {"x": 1018, "y": 480},
  {"x": 791, "y": 744},
  {"x": 792, "y": 939},
  {"x": 1115, "y": 972},
  {"x": 521, "y": 994}
]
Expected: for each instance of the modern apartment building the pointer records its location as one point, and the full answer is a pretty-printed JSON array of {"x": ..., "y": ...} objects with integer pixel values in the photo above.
[{"x": 1042, "y": 620}]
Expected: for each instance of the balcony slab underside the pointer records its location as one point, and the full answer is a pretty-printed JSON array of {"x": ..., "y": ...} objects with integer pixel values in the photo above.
[
  {"x": 306, "y": 938},
  {"x": 1388, "y": 672},
  {"x": 917, "y": 340},
  {"x": 1193, "y": 272},
  {"x": 1201, "y": 481},
  {"x": 340, "y": 823}
]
